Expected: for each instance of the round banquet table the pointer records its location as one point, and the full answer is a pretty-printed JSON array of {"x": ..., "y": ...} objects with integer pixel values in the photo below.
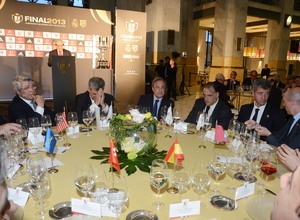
[{"x": 140, "y": 193}]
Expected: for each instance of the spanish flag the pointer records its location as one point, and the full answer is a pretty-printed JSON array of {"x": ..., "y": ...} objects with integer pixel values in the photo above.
[{"x": 175, "y": 152}]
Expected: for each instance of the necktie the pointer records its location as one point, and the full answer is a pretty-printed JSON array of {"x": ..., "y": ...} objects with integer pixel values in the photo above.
[
  {"x": 291, "y": 125},
  {"x": 33, "y": 105},
  {"x": 207, "y": 109},
  {"x": 255, "y": 114},
  {"x": 154, "y": 112}
]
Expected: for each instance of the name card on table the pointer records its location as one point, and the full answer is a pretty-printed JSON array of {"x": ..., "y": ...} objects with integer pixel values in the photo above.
[
  {"x": 18, "y": 196},
  {"x": 185, "y": 208},
  {"x": 244, "y": 191}
]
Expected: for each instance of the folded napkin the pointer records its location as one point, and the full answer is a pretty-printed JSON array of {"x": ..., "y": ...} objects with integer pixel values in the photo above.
[
  {"x": 181, "y": 126},
  {"x": 40, "y": 138},
  {"x": 200, "y": 122},
  {"x": 169, "y": 118},
  {"x": 210, "y": 135},
  {"x": 56, "y": 162}
]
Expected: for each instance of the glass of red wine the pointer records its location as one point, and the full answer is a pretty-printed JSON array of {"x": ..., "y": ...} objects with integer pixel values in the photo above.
[{"x": 268, "y": 167}]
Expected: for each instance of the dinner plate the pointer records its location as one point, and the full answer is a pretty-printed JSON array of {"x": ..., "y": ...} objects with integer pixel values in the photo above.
[
  {"x": 141, "y": 215},
  {"x": 223, "y": 202},
  {"x": 61, "y": 210},
  {"x": 260, "y": 207}
]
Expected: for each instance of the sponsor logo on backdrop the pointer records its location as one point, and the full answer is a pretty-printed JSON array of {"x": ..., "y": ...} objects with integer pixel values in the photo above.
[
  {"x": 83, "y": 23},
  {"x": 75, "y": 23},
  {"x": 17, "y": 18},
  {"x": 131, "y": 26},
  {"x": 2, "y": 3}
]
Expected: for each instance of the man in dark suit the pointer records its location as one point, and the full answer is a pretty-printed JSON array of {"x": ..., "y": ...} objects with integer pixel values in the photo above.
[
  {"x": 27, "y": 103},
  {"x": 232, "y": 83},
  {"x": 248, "y": 82},
  {"x": 215, "y": 108},
  {"x": 156, "y": 101},
  {"x": 93, "y": 98},
  {"x": 265, "y": 72},
  {"x": 59, "y": 51},
  {"x": 262, "y": 111},
  {"x": 289, "y": 134}
]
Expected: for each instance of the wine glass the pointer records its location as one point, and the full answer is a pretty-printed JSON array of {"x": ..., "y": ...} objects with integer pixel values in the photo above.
[
  {"x": 100, "y": 189},
  {"x": 84, "y": 178},
  {"x": 231, "y": 128},
  {"x": 163, "y": 114},
  {"x": 176, "y": 117},
  {"x": 24, "y": 128},
  {"x": 39, "y": 189},
  {"x": 158, "y": 179},
  {"x": 218, "y": 167},
  {"x": 233, "y": 168},
  {"x": 73, "y": 121},
  {"x": 87, "y": 120},
  {"x": 35, "y": 166},
  {"x": 59, "y": 119},
  {"x": 245, "y": 133},
  {"x": 181, "y": 181},
  {"x": 207, "y": 122},
  {"x": 200, "y": 182},
  {"x": 45, "y": 122},
  {"x": 117, "y": 194},
  {"x": 103, "y": 116},
  {"x": 34, "y": 128},
  {"x": 268, "y": 167},
  {"x": 264, "y": 155}
]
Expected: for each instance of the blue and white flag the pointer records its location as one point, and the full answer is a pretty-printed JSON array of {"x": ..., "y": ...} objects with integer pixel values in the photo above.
[{"x": 50, "y": 141}]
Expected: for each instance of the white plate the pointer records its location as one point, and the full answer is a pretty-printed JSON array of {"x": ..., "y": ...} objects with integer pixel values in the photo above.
[{"x": 260, "y": 207}]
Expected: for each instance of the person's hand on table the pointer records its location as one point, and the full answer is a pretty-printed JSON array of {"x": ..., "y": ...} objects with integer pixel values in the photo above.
[{"x": 262, "y": 131}]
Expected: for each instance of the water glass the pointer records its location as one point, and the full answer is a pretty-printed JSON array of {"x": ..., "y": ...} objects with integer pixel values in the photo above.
[
  {"x": 73, "y": 121},
  {"x": 34, "y": 128},
  {"x": 84, "y": 178}
]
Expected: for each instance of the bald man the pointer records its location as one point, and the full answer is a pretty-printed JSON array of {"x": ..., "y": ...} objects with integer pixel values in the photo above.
[
  {"x": 289, "y": 134},
  {"x": 59, "y": 51}
]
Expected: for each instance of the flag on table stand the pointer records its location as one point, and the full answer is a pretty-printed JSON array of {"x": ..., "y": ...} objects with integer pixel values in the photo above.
[
  {"x": 219, "y": 134},
  {"x": 113, "y": 158},
  {"x": 62, "y": 124},
  {"x": 175, "y": 152},
  {"x": 50, "y": 141}
]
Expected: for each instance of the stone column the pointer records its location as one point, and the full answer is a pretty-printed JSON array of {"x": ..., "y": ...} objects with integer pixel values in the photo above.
[
  {"x": 277, "y": 42},
  {"x": 228, "y": 38}
]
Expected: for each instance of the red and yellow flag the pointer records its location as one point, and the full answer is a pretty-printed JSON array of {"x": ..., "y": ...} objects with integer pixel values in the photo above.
[
  {"x": 175, "y": 152},
  {"x": 113, "y": 158}
]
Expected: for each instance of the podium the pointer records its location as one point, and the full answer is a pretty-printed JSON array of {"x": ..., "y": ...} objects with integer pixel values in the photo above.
[{"x": 64, "y": 82}]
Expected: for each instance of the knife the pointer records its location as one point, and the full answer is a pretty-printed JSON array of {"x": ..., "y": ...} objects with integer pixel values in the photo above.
[{"x": 270, "y": 191}]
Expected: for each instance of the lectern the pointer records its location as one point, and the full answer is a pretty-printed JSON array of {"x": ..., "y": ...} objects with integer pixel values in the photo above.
[{"x": 64, "y": 81}]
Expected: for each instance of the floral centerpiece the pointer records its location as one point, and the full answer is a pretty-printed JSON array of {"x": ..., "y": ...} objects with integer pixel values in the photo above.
[{"x": 134, "y": 136}]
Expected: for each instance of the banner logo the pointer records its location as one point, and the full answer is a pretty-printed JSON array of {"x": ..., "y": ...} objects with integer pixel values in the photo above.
[
  {"x": 17, "y": 18},
  {"x": 2, "y": 3},
  {"x": 131, "y": 26},
  {"x": 82, "y": 23},
  {"x": 75, "y": 23}
]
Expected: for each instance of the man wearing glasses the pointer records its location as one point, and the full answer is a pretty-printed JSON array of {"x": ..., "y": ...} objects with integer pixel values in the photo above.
[
  {"x": 212, "y": 105},
  {"x": 27, "y": 103},
  {"x": 59, "y": 51}
]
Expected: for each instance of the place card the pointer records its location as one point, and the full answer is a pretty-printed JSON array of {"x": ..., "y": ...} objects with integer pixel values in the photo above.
[
  {"x": 84, "y": 206},
  {"x": 18, "y": 196},
  {"x": 12, "y": 169},
  {"x": 244, "y": 191},
  {"x": 236, "y": 143},
  {"x": 71, "y": 131},
  {"x": 185, "y": 208}
]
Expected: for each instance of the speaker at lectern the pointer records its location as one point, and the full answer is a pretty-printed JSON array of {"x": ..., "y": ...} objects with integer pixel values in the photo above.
[{"x": 64, "y": 81}]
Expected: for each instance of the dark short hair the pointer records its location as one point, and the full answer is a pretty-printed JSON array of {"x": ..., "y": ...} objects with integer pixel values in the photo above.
[
  {"x": 261, "y": 83},
  {"x": 96, "y": 83}
]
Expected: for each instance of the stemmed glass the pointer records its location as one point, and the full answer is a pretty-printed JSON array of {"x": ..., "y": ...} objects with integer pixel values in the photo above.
[
  {"x": 218, "y": 167},
  {"x": 87, "y": 117},
  {"x": 103, "y": 116},
  {"x": 158, "y": 179},
  {"x": 263, "y": 157},
  {"x": 34, "y": 128},
  {"x": 73, "y": 121},
  {"x": 46, "y": 122},
  {"x": 200, "y": 182},
  {"x": 117, "y": 195},
  {"x": 100, "y": 189},
  {"x": 268, "y": 167},
  {"x": 181, "y": 181},
  {"x": 163, "y": 114},
  {"x": 24, "y": 128},
  {"x": 233, "y": 168},
  {"x": 207, "y": 124},
  {"x": 245, "y": 133},
  {"x": 35, "y": 166},
  {"x": 39, "y": 189},
  {"x": 84, "y": 178}
]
